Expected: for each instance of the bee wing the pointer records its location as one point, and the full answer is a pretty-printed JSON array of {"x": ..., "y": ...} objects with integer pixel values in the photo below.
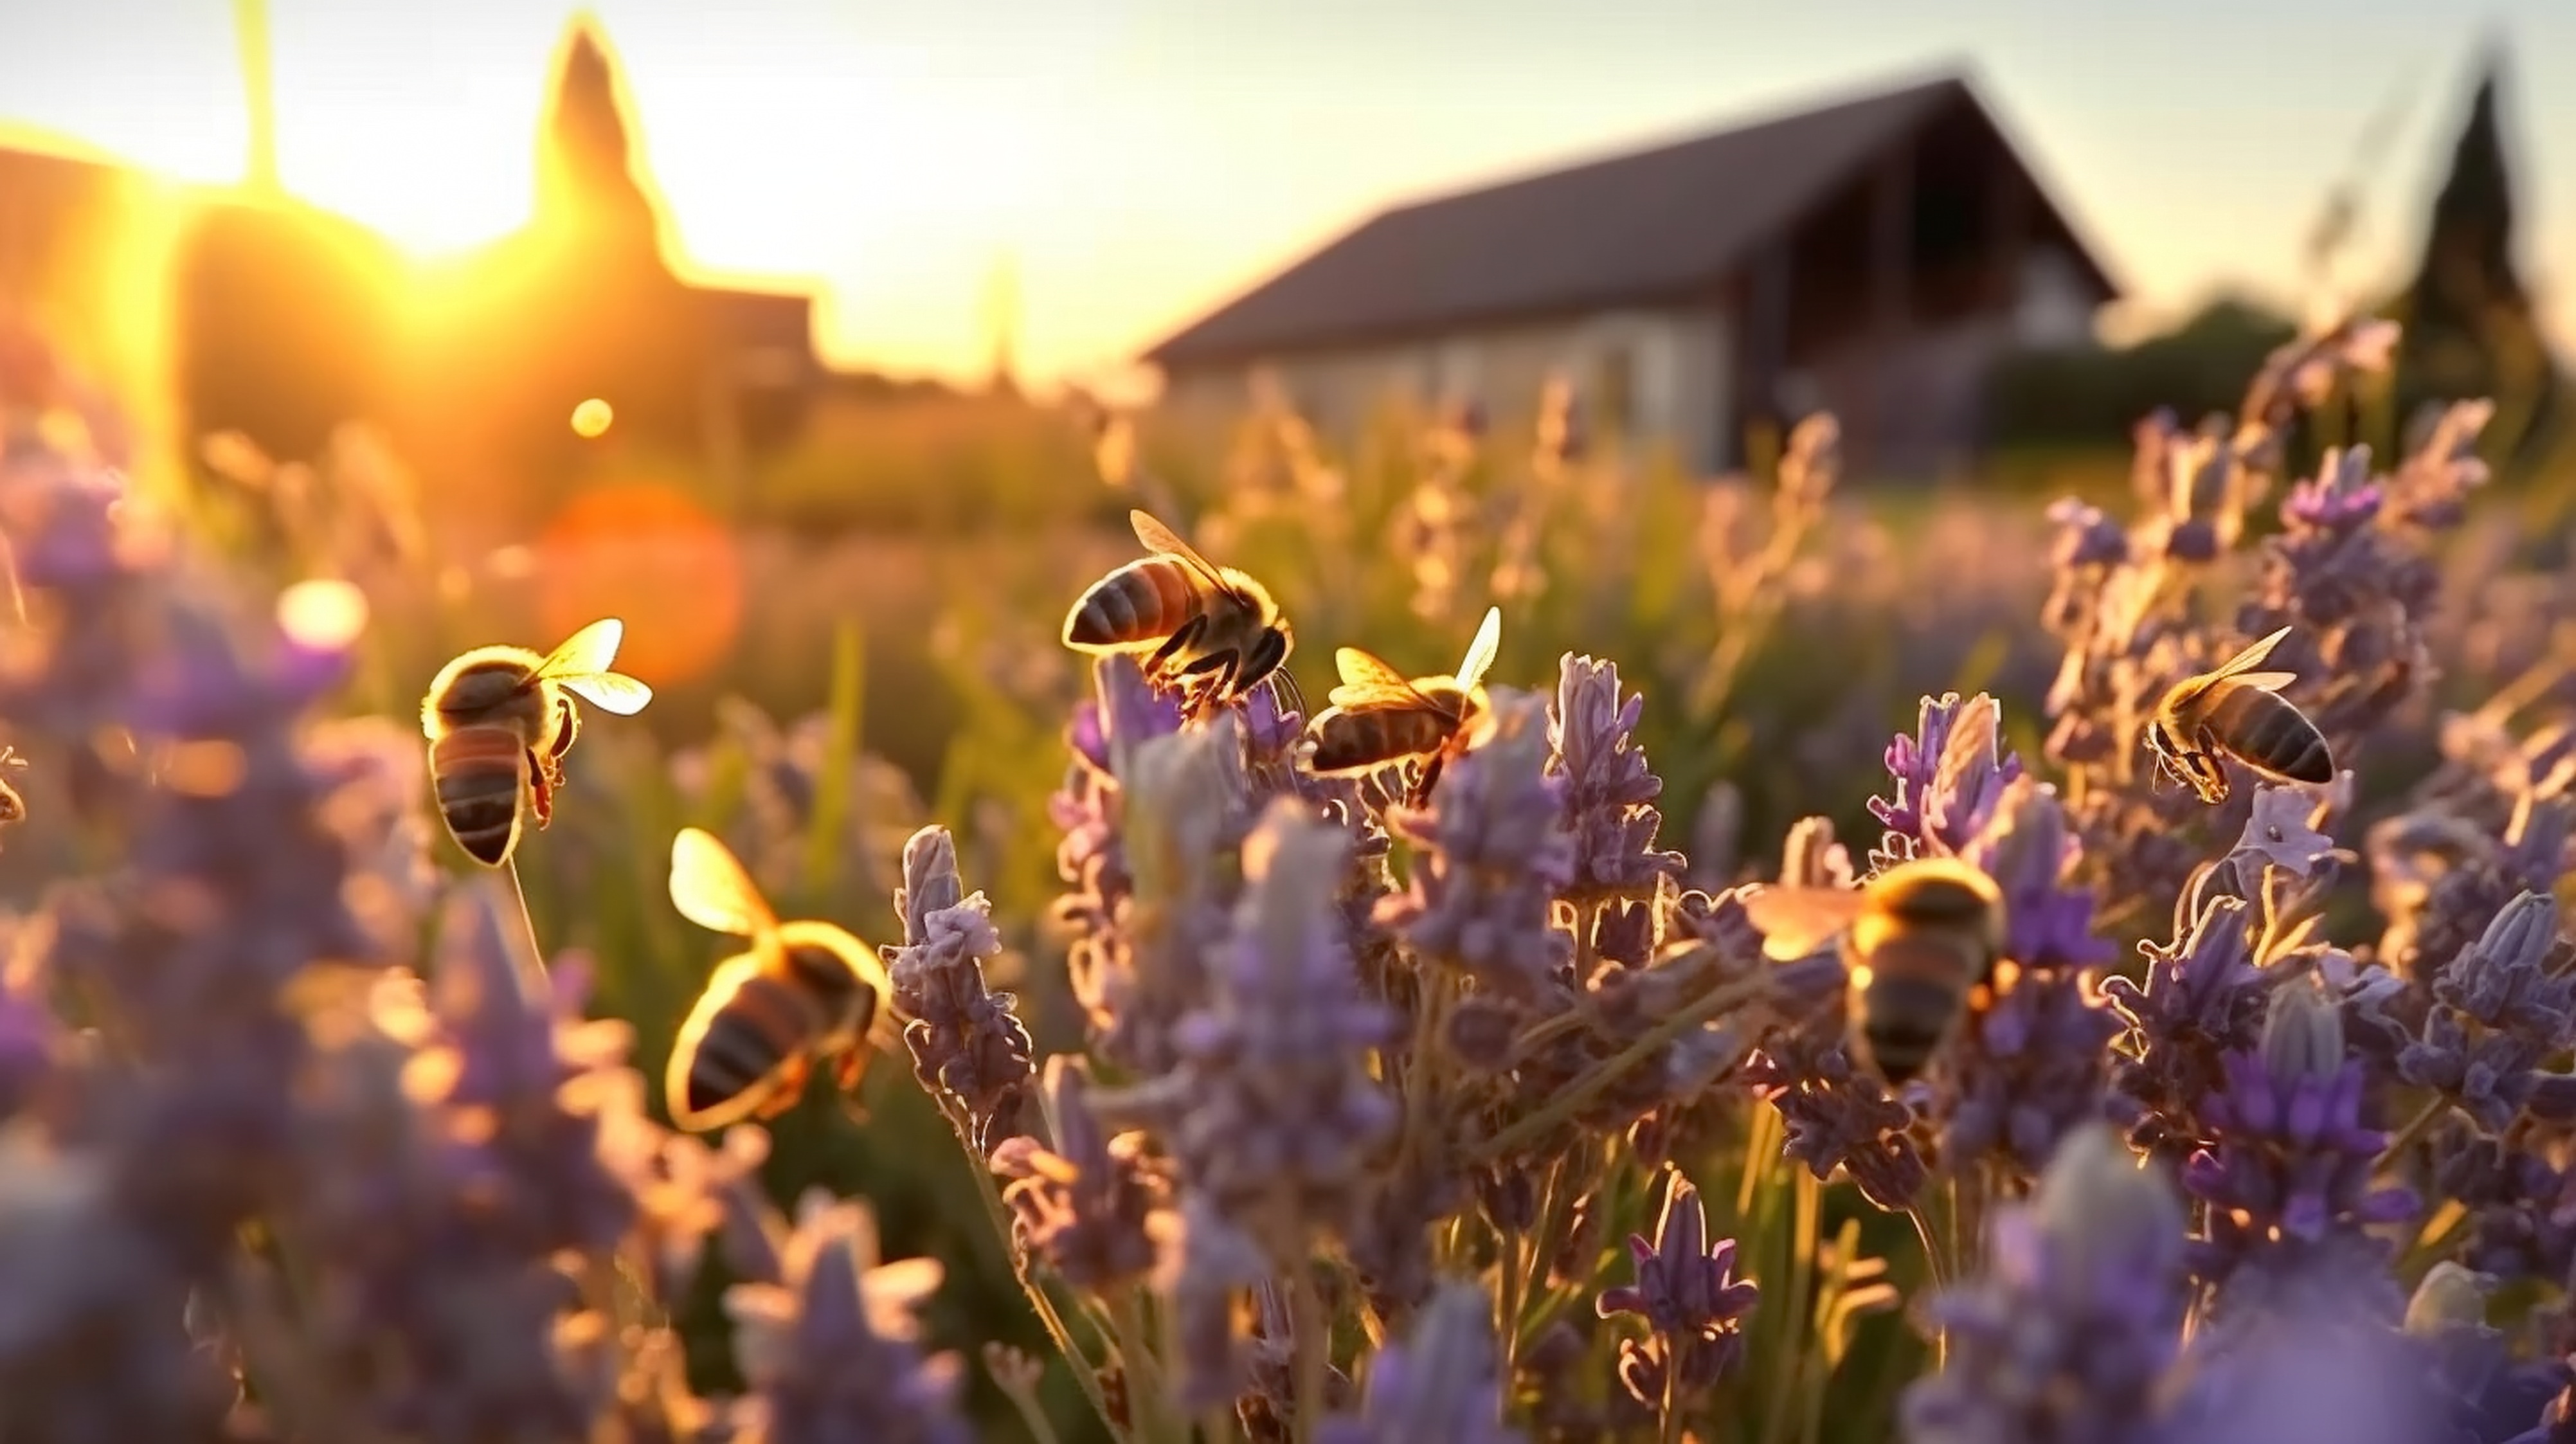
[
  {"x": 593, "y": 649},
  {"x": 1972, "y": 734},
  {"x": 710, "y": 888},
  {"x": 2265, "y": 681},
  {"x": 1368, "y": 682},
  {"x": 2252, "y": 657},
  {"x": 1160, "y": 538},
  {"x": 1795, "y": 921},
  {"x": 1480, "y": 652},
  {"x": 608, "y": 691}
]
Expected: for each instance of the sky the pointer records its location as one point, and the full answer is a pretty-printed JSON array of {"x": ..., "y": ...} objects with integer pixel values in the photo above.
[{"x": 1129, "y": 164}]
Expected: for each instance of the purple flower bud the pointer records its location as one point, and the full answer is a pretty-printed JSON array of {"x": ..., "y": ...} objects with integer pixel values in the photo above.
[
  {"x": 1692, "y": 1305},
  {"x": 2070, "y": 1331},
  {"x": 2288, "y": 1179},
  {"x": 2342, "y": 497},
  {"x": 1608, "y": 789},
  {"x": 1440, "y": 1384},
  {"x": 1272, "y": 1115},
  {"x": 969, "y": 1048},
  {"x": 1949, "y": 777},
  {"x": 1090, "y": 1204},
  {"x": 832, "y": 1353},
  {"x": 1490, "y": 856}
]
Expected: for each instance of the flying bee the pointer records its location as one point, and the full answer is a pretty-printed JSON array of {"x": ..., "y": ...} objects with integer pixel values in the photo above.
[
  {"x": 806, "y": 992},
  {"x": 499, "y": 721},
  {"x": 1378, "y": 716},
  {"x": 1917, "y": 939},
  {"x": 2237, "y": 712},
  {"x": 1209, "y": 630}
]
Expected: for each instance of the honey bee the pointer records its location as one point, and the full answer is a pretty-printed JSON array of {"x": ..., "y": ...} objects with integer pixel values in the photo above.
[
  {"x": 1378, "y": 716},
  {"x": 1211, "y": 631},
  {"x": 499, "y": 721},
  {"x": 806, "y": 992},
  {"x": 1917, "y": 939},
  {"x": 2237, "y": 712}
]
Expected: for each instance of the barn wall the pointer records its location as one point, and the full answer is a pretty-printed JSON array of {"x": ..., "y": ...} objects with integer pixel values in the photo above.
[{"x": 1672, "y": 364}]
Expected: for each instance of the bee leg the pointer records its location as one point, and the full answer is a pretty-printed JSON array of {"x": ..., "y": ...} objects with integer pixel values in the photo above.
[
  {"x": 1180, "y": 641},
  {"x": 792, "y": 1079},
  {"x": 541, "y": 789},
  {"x": 1426, "y": 779},
  {"x": 567, "y": 727}
]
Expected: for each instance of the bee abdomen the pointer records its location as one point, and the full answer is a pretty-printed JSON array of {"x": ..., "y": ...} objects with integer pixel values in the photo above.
[
  {"x": 760, "y": 1028},
  {"x": 1367, "y": 739},
  {"x": 1144, "y": 600},
  {"x": 1903, "y": 1019},
  {"x": 2271, "y": 735},
  {"x": 479, "y": 775},
  {"x": 824, "y": 976}
]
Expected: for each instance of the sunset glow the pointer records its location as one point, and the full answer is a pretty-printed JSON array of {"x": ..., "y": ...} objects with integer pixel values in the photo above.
[{"x": 1142, "y": 160}]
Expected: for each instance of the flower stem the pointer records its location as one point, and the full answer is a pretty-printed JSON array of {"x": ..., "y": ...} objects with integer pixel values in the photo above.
[
  {"x": 1933, "y": 1271},
  {"x": 1668, "y": 1410},
  {"x": 2415, "y": 1130},
  {"x": 1000, "y": 1220},
  {"x": 1314, "y": 1352},
  {"x": 1026, "y": 1405},
  {"x": 1149, "y": 1399},
  {"x": 1594, "y": 1081}
]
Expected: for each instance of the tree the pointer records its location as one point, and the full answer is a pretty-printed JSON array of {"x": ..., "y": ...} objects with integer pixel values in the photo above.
[{"x": 2470, "y": 325}]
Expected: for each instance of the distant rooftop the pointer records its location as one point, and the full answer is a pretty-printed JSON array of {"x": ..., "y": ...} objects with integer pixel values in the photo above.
[{"x": 1640, "y": 226}]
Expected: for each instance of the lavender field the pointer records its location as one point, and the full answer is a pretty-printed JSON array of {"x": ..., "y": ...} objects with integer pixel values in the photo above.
[{"x": 1221, "y": 1100}]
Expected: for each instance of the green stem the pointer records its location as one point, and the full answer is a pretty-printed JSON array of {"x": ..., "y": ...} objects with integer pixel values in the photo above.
[
  {"x": 1669, "y": 1410},
  {"x": 1314, "y": 1351},
  {"x": 1026, "y": 1405},
  {"x": 1149, "y": 1401},
  {"x": 1932, "y": 1270},
  {"x": 999, "y": 1218},
  {"x": 1800, "y": 1313},
  {"x": 2415, "y": 1130},
  {"x": 1508, "y": 1291},
  {"x": 1575, "y": 1096}
]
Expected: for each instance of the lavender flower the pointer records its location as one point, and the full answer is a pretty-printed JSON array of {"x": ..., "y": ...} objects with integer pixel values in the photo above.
[
  {"x": 969, "y": 1048},
  {"x": 1271, "y": 1114},
  {"x": 1691, "y": 1302},
  {"x": 1440, "y": 1384},
  {"x": 2499, "y": 1013},
  {"x": 2034, "y": 1064},
  {"x": 2287, "y": 1183},
  {"x": 1145, "y": 964},
  {"x": 1948, "y": 777},
  {"x": 1091, "y": 1205},
  {"x": 1837, "y": 1116},
  {"x": 1490, "y": 855},
  {"x": 2200, "y": 1002},
  {"x": 1608, "y": 789},
  {"x": 2072, "y": 1328},
  {"x": 831, "y": 1351}
]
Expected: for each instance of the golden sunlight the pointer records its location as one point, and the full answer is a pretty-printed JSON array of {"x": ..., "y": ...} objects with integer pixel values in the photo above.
[{"x": 592, "y": 418}]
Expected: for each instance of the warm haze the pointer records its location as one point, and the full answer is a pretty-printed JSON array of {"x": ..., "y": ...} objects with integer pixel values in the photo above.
[{"x": 1139, "y": 160}]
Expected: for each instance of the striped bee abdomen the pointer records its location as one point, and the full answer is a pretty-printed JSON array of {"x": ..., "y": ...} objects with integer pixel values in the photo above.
[
  {"x": 767, "y": 1022},
  {"x": 1144, "y": 601},
  {"x": 2270, "y": 735},
  {"x": 480, "y": 775},
  {"x": 1367, "y": 739}
]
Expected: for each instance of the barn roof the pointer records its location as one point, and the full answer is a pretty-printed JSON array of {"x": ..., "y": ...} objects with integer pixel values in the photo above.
[{"x": 1644, "y": 225}]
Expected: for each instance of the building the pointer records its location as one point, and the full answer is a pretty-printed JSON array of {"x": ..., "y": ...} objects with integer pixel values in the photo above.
[{"x": 1871, "y": 257}]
